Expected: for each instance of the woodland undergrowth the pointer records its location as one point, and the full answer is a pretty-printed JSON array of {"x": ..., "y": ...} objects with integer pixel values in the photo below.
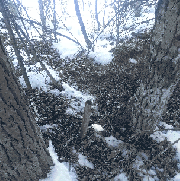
[{"x": 113, "y": 86}]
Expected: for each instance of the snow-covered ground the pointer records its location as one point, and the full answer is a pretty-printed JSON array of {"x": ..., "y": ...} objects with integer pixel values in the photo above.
[
  {"x": 60, "y": 171},
  {"x": 101, "y": 54}
]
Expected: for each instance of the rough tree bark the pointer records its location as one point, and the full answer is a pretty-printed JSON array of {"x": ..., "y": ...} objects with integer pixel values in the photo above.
[
  {"x": 150, "y": 101},
  {"x": 23, "y": 152}
]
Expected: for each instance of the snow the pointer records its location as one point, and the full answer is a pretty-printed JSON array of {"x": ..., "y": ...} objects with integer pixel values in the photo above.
[
  {"x": 84, "y": 162},
  {"x": 101, "y": 54},
  {"x": 59, "y": 172},
  {"x": 171, "y": 136},
  {"x": 149, "y": 178},
  {"x": 77, "y": 99},
  {"x": 177, "y": 177},
  {"x": 47, "y": 126},
  {"x": 120, "y": 177},
  {"x": 132, "y": 60},
  {"x": 97, "y": 55},
  {"x": 37, "y": 77},
  {"x": 71, "y": 28},
  {"x": 63, "y": 47},
  {"x": 72, "y": 92},
  {"x": 97, "y": 127},
  {"x": 112, "y": 141}
]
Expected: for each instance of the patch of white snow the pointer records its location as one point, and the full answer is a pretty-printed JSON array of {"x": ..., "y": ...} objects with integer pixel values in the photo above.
[
  {"x": 112, "y": 141},
  {"x": 60, "y": 171},
  {"x": 120, "y": 177},
  {"x": 132, "y": 60},
  {"x": 84, "y": 162},
  {"x": 97, "y": 127}
]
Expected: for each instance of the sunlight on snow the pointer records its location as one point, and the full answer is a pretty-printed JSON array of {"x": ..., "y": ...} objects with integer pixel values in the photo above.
[
  {"x": 38, "y": 78},
  {"x": 97, "y": 127},
  {"x": 63, "y": 48}
]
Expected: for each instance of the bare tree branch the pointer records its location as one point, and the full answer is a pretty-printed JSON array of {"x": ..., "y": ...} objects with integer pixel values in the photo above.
[{"x": 5, "y": 12}]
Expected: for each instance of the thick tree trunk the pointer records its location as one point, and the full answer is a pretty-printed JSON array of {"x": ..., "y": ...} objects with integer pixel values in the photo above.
[
  {"x": 150, "y": 101},
  {"x": 23, "y": 152}
]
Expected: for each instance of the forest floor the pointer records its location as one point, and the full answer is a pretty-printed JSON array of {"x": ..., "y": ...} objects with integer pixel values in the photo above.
[{"x": 111, "y": 86}]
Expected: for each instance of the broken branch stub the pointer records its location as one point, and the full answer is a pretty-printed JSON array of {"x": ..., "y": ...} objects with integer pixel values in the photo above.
[{"x": 86, "y": 118}]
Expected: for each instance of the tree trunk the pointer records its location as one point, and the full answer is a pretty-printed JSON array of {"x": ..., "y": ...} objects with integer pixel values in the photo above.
[
  {"x": 43, "y": 18},
  {"x": 96, "y": 16},
  {"x": 23, "y": 152},
  {"x": 88, "y": 42},
  {"x": 54, "y": 19},
  {"x": 86, "y": 119},
  {"x": 117, "y": 22},
  {"x": 150, "y": 101}
]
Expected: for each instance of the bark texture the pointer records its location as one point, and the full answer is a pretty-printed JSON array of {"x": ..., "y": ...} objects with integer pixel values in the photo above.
[
  {"x": 150, "y": 101},
  {"x": 24, "y": 155},
  {"x": 86, "y": 119}
]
